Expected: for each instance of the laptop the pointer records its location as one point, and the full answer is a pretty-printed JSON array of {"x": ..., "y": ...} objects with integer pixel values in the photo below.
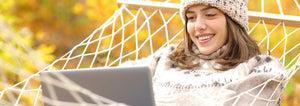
[{"x": 127, "y": 85}]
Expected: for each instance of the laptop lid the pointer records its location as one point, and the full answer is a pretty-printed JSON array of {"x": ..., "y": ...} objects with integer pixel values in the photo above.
[{"x": 128, "y": 85}]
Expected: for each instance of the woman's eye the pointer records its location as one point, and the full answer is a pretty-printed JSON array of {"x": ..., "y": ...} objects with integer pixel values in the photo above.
[
  {"x": 210, "y": 15},
  {"x": 190, "y": 18}
]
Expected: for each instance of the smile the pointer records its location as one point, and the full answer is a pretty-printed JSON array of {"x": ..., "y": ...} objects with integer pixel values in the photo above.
[{"x": 203, "y": 38}]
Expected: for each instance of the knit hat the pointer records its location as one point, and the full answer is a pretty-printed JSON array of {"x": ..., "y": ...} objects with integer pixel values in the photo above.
[{"x": 236, "y": 9}]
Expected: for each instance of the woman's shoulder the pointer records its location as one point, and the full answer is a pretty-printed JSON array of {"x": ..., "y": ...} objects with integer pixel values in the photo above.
[
  {"x": 265, "y": 63},
  {"x": 264, "y": 59},
  {"x": 258, "y": 64}
]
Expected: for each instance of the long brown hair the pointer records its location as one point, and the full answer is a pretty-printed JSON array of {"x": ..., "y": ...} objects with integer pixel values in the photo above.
[{"x": 240, "y": 47}]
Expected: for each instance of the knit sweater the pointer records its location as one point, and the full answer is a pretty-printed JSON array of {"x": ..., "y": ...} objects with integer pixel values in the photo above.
[{"x": 259, "y": 81}]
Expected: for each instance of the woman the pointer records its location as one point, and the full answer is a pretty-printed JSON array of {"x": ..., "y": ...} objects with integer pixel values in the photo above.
[{"x": 217, "y": 63}]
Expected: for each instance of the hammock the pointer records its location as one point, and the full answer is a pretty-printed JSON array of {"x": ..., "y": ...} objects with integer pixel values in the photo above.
[{"x": 138, "y": 29}]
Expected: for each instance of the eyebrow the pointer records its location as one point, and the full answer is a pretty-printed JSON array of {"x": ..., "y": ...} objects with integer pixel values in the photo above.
[{"x": 203, "y": 9}]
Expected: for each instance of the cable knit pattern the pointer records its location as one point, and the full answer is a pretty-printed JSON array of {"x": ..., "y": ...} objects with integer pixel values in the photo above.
[
  {"x": 236, "y": 9},
  {"x": 258, "y": 81}
]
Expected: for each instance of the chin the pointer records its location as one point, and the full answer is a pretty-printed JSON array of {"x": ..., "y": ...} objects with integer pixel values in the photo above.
[{"x": 206, "y": 53}]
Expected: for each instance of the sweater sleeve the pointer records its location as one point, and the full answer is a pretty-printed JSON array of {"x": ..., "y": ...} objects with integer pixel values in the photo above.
[{"x": 263, "y": 86}]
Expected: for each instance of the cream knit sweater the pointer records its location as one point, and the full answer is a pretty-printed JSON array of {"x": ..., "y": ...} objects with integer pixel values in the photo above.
[{"x": 259, "y": 82}]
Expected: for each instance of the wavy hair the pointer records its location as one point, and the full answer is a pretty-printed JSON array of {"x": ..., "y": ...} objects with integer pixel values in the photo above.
[{"x": 240, "y": 48}]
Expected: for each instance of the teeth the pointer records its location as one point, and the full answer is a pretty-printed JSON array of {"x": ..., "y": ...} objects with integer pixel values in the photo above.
[{"x": 205, "y": 37}]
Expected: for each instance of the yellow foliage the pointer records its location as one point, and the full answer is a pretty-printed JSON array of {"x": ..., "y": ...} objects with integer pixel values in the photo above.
[
  {"x": 44, "y": 52},
  {"x": 40, "y": 35},
  {"x": 29, "y": 67},
  {"x": 142, "y": 35},
  {"x": 296, "y": 103},
  {"x": 25, "y": 37},
  {"x": 93, "y": 3},
  {"x": 6, "y": 5},
  {"x": 78, "y": 8},
  {"x": 106, "y": 41},
  {"x": 91, "y": 14}
]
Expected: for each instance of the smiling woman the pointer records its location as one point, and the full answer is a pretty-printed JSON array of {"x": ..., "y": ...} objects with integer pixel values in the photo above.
[
  {"x": 207, "y": 28},
  {"x": 182, "y": 74},
  {"x": 217, "y": 63}
]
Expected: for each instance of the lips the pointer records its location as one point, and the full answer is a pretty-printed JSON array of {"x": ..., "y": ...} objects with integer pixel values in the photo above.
[{"x": 204, "y": 37}]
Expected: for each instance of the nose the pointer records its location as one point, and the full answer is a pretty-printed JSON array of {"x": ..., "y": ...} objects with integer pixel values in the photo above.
[{"x": 200, "y": 25}]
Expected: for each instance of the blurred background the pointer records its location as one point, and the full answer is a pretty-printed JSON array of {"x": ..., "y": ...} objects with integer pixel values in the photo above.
[{"x": 33, "y": 33}]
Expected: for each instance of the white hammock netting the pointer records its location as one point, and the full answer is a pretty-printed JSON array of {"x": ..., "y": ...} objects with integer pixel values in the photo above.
[{"x": 138, "y": 29}]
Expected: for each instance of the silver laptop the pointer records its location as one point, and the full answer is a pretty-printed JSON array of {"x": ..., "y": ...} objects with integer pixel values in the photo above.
[{"x": 128, "y": 85}]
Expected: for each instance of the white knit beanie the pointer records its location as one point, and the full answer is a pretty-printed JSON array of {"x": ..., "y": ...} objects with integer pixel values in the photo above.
[{"x": 236, "y": 9}]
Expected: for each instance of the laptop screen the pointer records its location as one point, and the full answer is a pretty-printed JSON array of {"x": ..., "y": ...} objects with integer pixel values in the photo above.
[{"x": 127, "y": 85}]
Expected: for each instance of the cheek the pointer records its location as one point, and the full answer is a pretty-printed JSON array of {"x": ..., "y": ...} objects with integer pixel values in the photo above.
[{"x": 190, "y": 28}]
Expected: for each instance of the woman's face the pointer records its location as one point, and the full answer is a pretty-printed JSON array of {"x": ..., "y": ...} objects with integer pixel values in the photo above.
[{"x": 207, "y": 28}]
